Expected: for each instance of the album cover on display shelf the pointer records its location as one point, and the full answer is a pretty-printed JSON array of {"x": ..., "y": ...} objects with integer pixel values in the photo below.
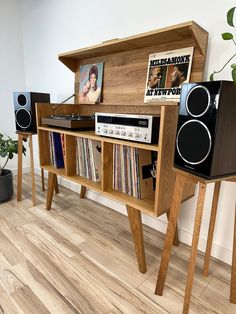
[
  {"x": 90, "y": 83},
  {"x": 167, "y": 71}
]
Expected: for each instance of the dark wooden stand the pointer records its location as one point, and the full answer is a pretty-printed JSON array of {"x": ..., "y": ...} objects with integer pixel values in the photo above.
[{"x": 181, "y": 179}]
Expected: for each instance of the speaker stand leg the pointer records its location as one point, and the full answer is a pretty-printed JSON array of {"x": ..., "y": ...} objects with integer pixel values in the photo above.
[
  {"x": 42, "y": 179},
  {"x": 32, "y": 169},
  {"x": 25, "y": 136},
  {"x": 19, "y": 171},
  {"x": 211, "y": 227}
]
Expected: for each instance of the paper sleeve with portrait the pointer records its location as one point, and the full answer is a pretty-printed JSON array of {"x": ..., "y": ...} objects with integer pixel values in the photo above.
[
  {"x": 167, "y": 71},
  {"x": 90, "y": 83}
]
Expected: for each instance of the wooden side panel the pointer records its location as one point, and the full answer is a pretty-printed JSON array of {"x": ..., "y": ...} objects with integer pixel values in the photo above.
[
  {"x": 70, "y": 155},
  {"x": 44, "y": 152},
  {"x": 165, "y": 175},
  {"x": 200, "y": 36},
  {"x": 107, "y": 166}
]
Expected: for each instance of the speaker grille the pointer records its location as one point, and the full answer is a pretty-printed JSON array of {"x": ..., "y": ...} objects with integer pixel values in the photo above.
[
  {"x": 198, "y": 101},
  {"x": 23, "y": 118},
  {"x": 22, "y": 100},
  {"x": 193, "y": 142}
]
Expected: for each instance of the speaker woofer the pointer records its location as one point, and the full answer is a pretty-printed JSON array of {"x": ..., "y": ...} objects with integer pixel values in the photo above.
[
  {"x": 198, "y": 101},
  {"x": 193, "y": 142},
  {"x": 23, "y": 118}
]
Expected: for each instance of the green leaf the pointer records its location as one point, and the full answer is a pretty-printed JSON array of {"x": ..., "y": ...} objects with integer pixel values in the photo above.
[
  {"x": 227, "y": 36},
  {"x": 233, "y": 66},
  {"x": 234, "y": 75},
  {"x": 3, "y": 154},
  {"x": 9, "y": 147},
  {"x": 230, "y": 17},
  {"x": 211, "y": 77}
]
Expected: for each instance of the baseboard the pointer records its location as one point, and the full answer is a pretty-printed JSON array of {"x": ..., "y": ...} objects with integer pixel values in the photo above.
[
  {"x": 160, "y": 223},
  {"x": 24, "y": 170}
]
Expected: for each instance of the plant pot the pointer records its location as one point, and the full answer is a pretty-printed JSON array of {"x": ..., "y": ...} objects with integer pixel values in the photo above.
[{"x": 6, "y": 185}]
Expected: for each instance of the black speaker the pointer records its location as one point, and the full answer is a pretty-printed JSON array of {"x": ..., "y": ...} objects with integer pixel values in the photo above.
[
  {"x": 206, "y": 132},
  {"x": 24, "y": 105}
]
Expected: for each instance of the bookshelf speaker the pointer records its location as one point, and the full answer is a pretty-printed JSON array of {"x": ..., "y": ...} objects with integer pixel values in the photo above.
[
  {"x": 206, "y": 132},
  {"x": 24, "y": 106}
]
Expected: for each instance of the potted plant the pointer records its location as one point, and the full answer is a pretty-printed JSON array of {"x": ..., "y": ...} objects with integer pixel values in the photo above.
[
  {"x": 230, "y": 37},
  {"x": 8, "y": 147}
]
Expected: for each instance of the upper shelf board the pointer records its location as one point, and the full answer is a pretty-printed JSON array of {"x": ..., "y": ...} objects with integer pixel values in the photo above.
[{"x": 164, "y": 35}]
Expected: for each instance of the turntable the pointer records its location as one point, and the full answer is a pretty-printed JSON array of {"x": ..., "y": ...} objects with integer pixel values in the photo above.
[{"x": 71, "y": 121}]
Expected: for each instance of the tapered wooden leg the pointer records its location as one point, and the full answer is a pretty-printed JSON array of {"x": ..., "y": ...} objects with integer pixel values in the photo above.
[
  {"x": 211, "y": 228},
  {"x": 56, "y": 186},
  {"x": 51, "y": 187},
  {"x": 176, "y": 237},
  {"x": 19, "y": 171},
  {"x": 82, "y": 191},
  {"x": 32, "y": 170},
  {"x": 196, "y": 232},
  {"x": 135, "y": 221},
  {"x": 233, "y": 269},
  {"x": 174, "y": 212},
  {"x": 42, "y": 179}
]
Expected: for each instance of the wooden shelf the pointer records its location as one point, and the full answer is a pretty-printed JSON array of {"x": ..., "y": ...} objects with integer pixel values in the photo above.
[
  {"x": 144, "y": 205},
  {"x": 85, "y": 182},
  {"x": 91, "y": 135},
  {"x": 57, "y": 171},
  {"x": 125, "y": 61},
  {"x": 176, "y": 33}
]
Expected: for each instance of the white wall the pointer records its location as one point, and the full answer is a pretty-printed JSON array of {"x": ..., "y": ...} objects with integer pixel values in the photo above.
[
  {"x": 51, "y": 27},
  {"x": 12, "y": 67}
]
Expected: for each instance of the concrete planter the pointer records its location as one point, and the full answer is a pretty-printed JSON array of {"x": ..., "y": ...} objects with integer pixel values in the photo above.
[{"x": 6, "y": 185}]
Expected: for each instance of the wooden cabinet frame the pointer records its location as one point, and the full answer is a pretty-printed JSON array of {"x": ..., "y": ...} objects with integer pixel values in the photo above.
[{"x": 125, "y": 69}]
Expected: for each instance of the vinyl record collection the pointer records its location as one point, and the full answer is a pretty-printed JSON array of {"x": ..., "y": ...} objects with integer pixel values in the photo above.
[
  {"x": 56, "y": 149},
  {"x": 89, "y": 159},
  {"x": 133, "y": 171}
]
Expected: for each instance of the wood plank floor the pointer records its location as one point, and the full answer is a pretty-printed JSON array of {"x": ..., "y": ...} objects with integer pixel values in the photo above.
[{"x": 79, "y": 258}]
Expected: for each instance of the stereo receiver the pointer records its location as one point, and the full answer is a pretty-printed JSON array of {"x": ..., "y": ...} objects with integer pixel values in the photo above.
[{"x": 132, "y": 127}]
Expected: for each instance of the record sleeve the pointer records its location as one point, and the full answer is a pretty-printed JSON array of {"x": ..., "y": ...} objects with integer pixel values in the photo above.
[{"x": 166, "y": 73}]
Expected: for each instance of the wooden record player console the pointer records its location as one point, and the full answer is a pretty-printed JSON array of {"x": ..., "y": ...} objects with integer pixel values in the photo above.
[{"x": 125, "y": 69}]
